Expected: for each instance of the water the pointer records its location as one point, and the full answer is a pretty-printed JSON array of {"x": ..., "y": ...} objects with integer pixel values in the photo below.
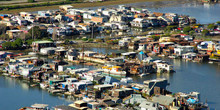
[
  {"x": 191, "y": 76},
  {"x": 15, "y": 94},
  {"x": 204, "y": 13}
]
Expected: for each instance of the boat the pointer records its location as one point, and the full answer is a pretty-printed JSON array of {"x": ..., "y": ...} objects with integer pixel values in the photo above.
[
  {"x": 32, "y": 53},
  {"x": 144, "y": 74},
  {"x": 172, "y": 57},
  {"x": 36, "y": 107},
  {"x": 33, "y": 85},
  {"x": 5, "y": 74},
  {"x": 115, "y": 71},
  {"x": 211, "y": 62},
  {"x": 43, "y": 85},
  {"x": 15, "y": 76}
]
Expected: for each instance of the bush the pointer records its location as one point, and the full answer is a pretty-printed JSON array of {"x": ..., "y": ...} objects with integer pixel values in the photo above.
[
  {"x": 211, "y": 26},
  {"x": 187, "y": 29},
  {"x": 30, "y": 1},
  {"x": 84, "y": 39},
  {"x": 90, "y": 40},
  {"x": 205, "y": 32},
  {"x": 155, "y": 37}
]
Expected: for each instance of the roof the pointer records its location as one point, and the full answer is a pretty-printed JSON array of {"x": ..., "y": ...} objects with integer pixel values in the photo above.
[
  {"x": 64, "y": 107},
  {"x": 109, "y": 102},
  {"x": 79, "y": 102},
  {"x": 128, "y": 53},
  {"x": 98, "y": 78},
  {"x": 42, "y": 42},
  {"x": 104, "y": 85},
  {"x": 15, "y": 30},
  {"x": 163, "y": 100},
  {"x": 93, "y": 103}
]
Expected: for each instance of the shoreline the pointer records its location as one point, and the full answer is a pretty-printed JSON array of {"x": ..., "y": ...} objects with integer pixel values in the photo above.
[{"x": 87, "y": 5}]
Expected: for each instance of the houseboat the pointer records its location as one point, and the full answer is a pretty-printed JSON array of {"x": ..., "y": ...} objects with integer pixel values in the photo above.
[{"x": 114, "y": 71}]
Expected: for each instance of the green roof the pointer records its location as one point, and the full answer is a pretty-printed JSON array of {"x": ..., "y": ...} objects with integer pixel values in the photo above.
[{"x": 43, "y": 42}]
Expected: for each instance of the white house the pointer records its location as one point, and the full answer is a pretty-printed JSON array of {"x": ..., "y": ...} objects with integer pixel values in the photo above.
[
  {"x": 162, "y": 65},
  {"x": 180, "y": 50},
  {"x": 139, "y": 22},
  {"x": 124, "y": 42}
]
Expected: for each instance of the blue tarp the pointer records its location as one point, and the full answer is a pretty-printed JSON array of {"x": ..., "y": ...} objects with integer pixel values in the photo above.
[
  {"x": 141, "y": 52},
  {"x": 135, "y": 88},
  {"x": 191, "y": 101}
]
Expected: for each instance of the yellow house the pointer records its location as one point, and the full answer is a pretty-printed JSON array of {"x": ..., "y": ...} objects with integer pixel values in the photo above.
[{"x": 164, "y": 39}]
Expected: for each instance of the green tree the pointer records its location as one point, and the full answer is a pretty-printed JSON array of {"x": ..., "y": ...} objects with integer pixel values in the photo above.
[
  {"x": 67, "y": 41},
  {"x": 191, "y": 32},
  {"x": 6, "y": 45},
  {"x": 155, "y": 37},
  {"x": 211, "y": 26},
  {"x": 14, "y": 46},
  {"x": 218, "y": 22},
  {"x": 38, "y": 33},
  {"x": 205, "y": 32},
  {"x": 18, "y": 42},
  {"x": 29, "y": 41},
  {"x": 187, "y": 29}
]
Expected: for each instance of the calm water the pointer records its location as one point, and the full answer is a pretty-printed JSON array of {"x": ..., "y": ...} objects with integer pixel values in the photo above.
[
  {"x": 204, "y": 13},
  {"x": 189, "y": 76},
  {"x": 15, "y": 94}
]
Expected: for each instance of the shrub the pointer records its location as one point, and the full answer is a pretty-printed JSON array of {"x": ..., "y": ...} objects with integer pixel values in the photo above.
[
  {"x": 84, "y": 39},
  {"x": 30, "y": 1}
]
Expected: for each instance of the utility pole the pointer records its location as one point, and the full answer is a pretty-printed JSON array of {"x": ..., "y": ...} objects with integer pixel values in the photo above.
[
  {"x": 92, "y": 34},
  {"x": 54, "y": 33},
  {"x": 33, "y": 31}
]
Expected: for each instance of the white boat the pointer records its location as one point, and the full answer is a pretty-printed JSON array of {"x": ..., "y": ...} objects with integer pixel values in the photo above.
[
  {"x": 114, "y": 71},
  {"x": 172, "y": 57},
  {"x": 144, "y": 74},
  {"x": 32, "y": 53},
  {"x": 211, "y": 62},
  {"x": 44, "y": 85},
  {"x": 5, "y": 74}
]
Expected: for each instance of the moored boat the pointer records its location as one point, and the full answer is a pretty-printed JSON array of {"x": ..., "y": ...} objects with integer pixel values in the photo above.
[{"x": 115, "y": 71}]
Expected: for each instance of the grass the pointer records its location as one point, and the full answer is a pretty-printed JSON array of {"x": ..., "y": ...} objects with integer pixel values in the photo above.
[{"x": 77, "y": 5}]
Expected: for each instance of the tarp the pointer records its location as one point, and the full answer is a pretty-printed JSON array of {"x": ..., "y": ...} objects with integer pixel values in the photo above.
[{"x": 192, "y": 101}]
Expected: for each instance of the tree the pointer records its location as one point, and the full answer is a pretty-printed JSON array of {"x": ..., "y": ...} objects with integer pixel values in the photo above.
[
  {"x": 211, "y": 26},
  {"x": 3, "y": 29},
  {"x": 155, "y": 37},
  {"x": 218, "y": 22},
  {"x": 29, "y": 41},
  {"x": 6, "y": 45},
  {"x": 18, "y": 42},
  {"x": 191, "y": 32},
  {"x": 205, "y": 32},
  {"x": 38, "y": 33},
  {"x": 187, "y": 29},
  {"x": 67, "y": 41}
]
